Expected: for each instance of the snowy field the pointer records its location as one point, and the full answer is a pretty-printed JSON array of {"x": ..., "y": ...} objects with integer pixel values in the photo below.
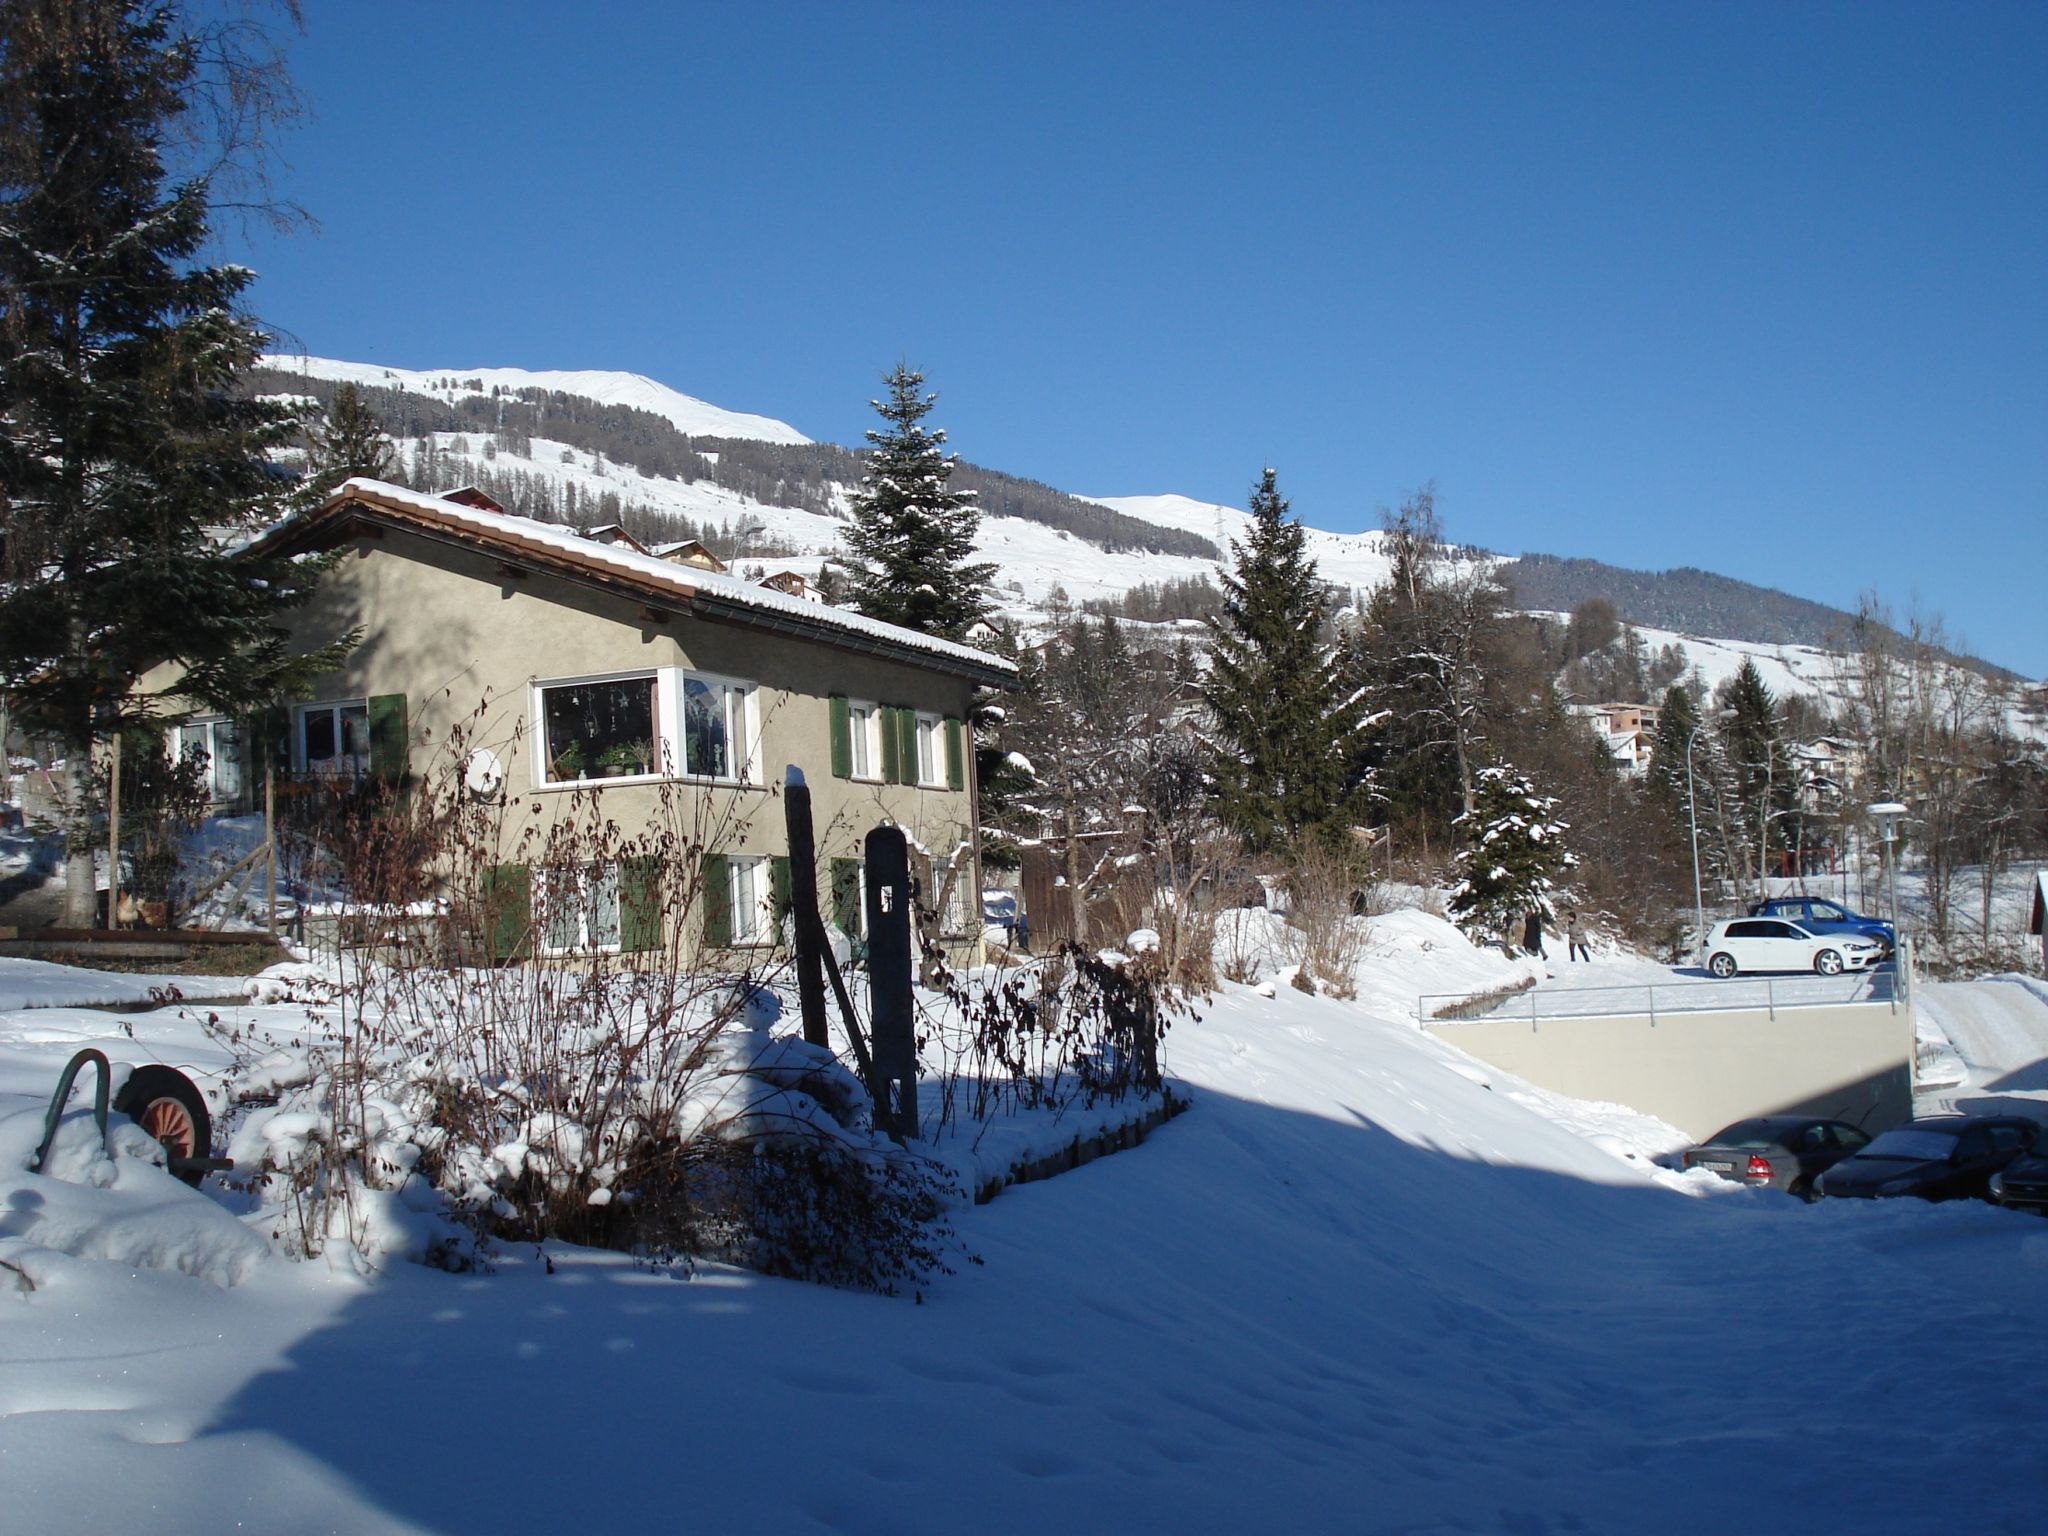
[{"x": 1365, "y": 1284}]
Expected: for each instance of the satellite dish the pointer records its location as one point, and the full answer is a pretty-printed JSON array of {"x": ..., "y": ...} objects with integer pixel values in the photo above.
[{"x": 482, "y": 774}]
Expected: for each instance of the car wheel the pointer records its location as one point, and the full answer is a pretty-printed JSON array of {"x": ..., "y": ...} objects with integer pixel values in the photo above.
[
  {"x": 163, "y": 1101},
  {"x": 1721, "y": 964},
  {"x": 1828, "y": 962}
]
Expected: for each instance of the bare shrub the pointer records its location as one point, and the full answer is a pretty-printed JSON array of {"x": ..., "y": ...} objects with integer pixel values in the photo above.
[
  {"x": 552, "y": 1044},
  {"x": 1325, "y": 887}
]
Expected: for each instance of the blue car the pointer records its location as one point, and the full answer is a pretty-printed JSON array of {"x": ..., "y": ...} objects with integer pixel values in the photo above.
[{"x": 1817, "y": 915}]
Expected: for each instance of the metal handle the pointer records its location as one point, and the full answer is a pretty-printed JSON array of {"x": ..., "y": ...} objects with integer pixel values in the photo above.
[{"x": 57, "y": 1102}]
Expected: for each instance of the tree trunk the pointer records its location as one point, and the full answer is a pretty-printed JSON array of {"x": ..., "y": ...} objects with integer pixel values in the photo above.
[{"x": 80, "y": 899}]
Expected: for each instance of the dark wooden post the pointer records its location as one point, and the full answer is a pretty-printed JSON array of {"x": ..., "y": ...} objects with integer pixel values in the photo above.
[
  {"x": 803, "y": 898},
  {"x": 892, "y": 1011}
]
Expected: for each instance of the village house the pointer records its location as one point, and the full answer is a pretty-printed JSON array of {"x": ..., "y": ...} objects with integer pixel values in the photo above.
[{"x": 566, "y": 664}]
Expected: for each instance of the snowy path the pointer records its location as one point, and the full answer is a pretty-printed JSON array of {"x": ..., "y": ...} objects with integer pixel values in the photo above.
[{"x": 1362, "y": 1286}]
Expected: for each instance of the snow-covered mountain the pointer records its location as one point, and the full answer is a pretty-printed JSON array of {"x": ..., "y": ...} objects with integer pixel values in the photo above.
[
  {"x": 760, "y": 512},
  {"x": 696, "y": 417}
]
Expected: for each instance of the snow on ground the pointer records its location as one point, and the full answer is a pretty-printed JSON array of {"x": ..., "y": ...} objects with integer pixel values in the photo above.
[
  {"x": 1999, "y": 1027},
  {"x": 1364, "y": 1284}
]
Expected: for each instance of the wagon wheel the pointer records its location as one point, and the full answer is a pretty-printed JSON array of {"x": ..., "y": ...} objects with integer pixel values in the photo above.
[{"x": 164, "y": 1102}]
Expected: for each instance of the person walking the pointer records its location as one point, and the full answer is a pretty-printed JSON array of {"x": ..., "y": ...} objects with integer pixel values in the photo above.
[
  {"x": 1575, "y": 939},
  {"x": 1532, "y": 934}
]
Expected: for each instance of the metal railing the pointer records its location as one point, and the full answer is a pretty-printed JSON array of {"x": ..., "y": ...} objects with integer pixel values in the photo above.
[{"x": 1659, "y": 999}]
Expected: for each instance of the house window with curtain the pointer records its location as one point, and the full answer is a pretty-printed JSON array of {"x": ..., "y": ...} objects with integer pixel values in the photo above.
[
  {"x": 332, "y": 739},
  {"x": 577, "y": 910},
  {"x": 599, "y": 728},
  {"x": 719, "y": 729},
  {"x": 218, "y": 743}
]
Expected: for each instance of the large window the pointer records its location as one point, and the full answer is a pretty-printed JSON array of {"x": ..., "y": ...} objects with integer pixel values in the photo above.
[
  {"x": 577, "y": 909},
  {"x": 718, "y": 729},
  {"x": 931, "y": 751},
  {"x": 864, "y": 738},
  {"x": 603, "y": 729},
  {"x": 219, "y": 744},
  {"x": 332, "y": 738}
]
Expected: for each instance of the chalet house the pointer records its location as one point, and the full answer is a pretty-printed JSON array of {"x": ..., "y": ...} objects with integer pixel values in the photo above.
[
  {"x": 601, "y": 668},
  {"x": 691, "y": 552}
]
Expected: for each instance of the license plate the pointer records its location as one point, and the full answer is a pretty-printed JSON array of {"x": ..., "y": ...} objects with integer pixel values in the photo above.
[{"x": 1718, "y": 1167}]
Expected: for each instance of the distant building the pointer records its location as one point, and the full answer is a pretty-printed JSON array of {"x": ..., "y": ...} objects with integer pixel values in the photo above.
[{"x": 689, "y": 552}]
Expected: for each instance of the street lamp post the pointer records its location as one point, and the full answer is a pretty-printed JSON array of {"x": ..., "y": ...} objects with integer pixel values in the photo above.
[{"x": 1888, "y": 814}]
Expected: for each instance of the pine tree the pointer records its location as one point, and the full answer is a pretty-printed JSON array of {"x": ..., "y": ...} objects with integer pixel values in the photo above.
[
  {"x": 351, "y": 443},
  {"x": 1287, "y": 718},
  {"x": 1759, "y": 764},
  {"x": 123, "y": 436},
  {"x": 911, "y": 541},
  {"x": 1513, "y": 854}
]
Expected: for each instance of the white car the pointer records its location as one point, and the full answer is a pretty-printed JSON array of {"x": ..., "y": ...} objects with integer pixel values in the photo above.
[{"x": 1774, "y": 944}]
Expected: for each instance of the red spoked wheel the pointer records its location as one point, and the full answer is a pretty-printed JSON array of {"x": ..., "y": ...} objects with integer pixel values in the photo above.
[{"x": 166, "y": 1104}]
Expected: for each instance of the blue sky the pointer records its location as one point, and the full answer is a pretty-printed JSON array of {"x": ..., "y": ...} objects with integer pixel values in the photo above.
[{"x": 1758, "y": 288}]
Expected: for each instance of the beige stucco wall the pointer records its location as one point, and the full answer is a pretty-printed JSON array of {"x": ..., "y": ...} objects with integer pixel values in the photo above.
[
  {"x": 1703, "y": 1071},
  {"x": 465, "y": 641}
]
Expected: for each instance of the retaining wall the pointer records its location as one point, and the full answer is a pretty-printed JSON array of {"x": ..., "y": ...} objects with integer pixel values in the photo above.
[{"x": 1705, "y": 1070}]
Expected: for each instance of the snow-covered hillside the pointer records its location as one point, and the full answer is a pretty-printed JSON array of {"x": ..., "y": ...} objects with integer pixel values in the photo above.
[{"x": 607, "y": 388}]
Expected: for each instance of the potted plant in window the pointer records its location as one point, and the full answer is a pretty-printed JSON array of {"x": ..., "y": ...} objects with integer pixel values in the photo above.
[
  {"x": 568, "y": 762},
  {"x": 623, "y": 758}
]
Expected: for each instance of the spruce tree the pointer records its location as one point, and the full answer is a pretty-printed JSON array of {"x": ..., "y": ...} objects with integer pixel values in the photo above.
[
  {"x": 350, "y": 443},
  {"x": 1512, "y": 855},
  {"x": 910, "y": 543},
  {"x": 1759, "y": 765},
  {"x": 1287, "y": 717},
  {"x": 124, "y": 438}
]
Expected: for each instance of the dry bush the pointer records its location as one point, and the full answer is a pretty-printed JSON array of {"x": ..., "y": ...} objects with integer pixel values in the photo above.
[{"x": 1326, "y": 889}]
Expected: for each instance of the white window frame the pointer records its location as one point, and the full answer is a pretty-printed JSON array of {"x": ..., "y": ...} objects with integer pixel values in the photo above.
[
  {"x": 358, "y": 764},
  {"x": 740, "y": 706},
  {"x": 864, "y": 737},
  {"x": 750, "y": 898},
  {"x": 592, "y": 884},
  {"x": 952, "y": 917},
  {"x": 205, "y": 734},
  {"x": 663, "y": 741},
  {"x": 931, "y": 734}
]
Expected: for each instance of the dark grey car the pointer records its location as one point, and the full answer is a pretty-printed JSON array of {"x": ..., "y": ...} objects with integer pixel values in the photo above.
[
  {"x": 1944, "y": 1157},
  {"x": 1784, "y": 1152}
]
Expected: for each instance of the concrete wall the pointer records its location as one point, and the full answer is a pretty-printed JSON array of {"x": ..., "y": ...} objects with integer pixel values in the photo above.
[{"x": 1703, "y": 1071}]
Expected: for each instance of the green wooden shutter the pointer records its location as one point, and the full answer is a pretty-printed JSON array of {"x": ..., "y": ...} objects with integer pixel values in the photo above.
[
  {"x": 507, "y": 910},
  {"x": 906, "y": 745},
  {"x": 846, "y": 908},
  {"x": 892, "y": 758},
  {"x": 717, "y": 900},
  {"x": 956, "y": 755},
  {"x": 388, "y": 737},
  {"x": 640, "y": 904},
  {"x": 782, "y": 898},
  {"x": 842, "y": 738}
]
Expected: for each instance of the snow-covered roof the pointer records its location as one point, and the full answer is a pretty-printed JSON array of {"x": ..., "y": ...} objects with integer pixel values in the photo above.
[{"x": 714, "y": 593}]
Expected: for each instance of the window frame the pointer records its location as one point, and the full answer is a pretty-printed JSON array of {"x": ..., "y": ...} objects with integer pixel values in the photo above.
[
  {"x": 302, "y": 761},
  {"x": 763, "y": 930},
  {"x": 747, "y": 728},
  {"x": 213, "y": 725},
  {"x": 864, "y": 738},
  {"x": 545, "y": 888},
  {"x": 661, "y": 739},
  {"x": 930, "y": 728}
]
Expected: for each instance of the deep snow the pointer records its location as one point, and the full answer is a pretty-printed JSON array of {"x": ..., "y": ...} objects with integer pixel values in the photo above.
[{"x": 1365, "y": 1284}]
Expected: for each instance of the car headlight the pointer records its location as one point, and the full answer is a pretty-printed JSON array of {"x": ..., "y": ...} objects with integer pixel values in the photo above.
[{"x": 1898, "y": 1187}]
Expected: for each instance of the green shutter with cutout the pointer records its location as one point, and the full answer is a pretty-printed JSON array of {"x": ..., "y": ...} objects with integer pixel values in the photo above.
[
  {"x": 906, "y": 746},
  {"x": 892, "y": 762},
  {"x": 640, "y": 904},
  {"x": 847, "y": 915},
  {"x": 956, "y": 755},
  {"x": 779, "y": 890},
  {"x": 842, "y": 738},
  {"x": 507, "y": 910},
  {"x": 388, "y": 737},
  {"x": 717, "y": 900}
]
